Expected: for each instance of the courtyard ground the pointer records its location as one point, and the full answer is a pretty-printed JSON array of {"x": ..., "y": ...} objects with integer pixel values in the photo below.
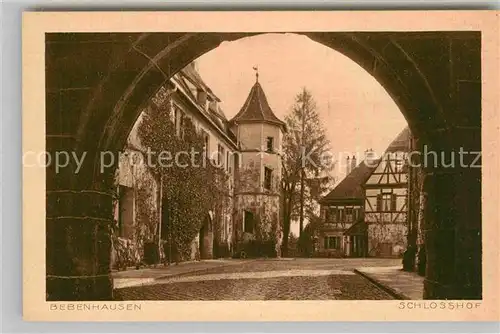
[{"x": 260, "y": 279}]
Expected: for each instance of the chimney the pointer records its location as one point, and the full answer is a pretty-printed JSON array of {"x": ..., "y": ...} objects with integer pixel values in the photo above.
[
  {"x": 369, "y": 156},
  {"x": 353, "y": 163},
  {"x": 202, "y": 98},
  {"x": 348, "y": 166}
]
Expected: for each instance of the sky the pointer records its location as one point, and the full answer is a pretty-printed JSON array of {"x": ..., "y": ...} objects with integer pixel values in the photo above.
[{"x": 357, "y": 112}]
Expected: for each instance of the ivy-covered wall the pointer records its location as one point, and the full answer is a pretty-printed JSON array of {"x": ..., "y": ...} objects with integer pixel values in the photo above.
[
  {"x": 267, "y": 228},
  {"x": 385, "y": 236},
  {"x": 196, "y": 206},
  {"x": 129, "y": 250}
]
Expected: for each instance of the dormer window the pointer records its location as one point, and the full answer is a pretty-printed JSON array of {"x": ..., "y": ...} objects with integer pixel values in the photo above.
[
  {"x": 202, "y": 98},
  {"x": 270, "y": 144}
]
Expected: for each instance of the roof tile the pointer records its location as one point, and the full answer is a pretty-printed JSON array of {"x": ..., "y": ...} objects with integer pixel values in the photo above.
[{"x": 256, "y": 108}]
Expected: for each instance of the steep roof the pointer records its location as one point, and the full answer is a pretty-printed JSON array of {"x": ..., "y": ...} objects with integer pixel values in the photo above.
[
  {"x": 351, "y": 187},
  {"x": 401, "y": 142},
  {"x": 256, "y": 108},
  {"x": 189, "y": 82},
  {"x": 191, "y": 73}
]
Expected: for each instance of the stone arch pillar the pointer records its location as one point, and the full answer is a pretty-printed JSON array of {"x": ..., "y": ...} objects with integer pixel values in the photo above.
[
  {"x": 452, "y": 220},
  {"x": 79, "y": 220}
]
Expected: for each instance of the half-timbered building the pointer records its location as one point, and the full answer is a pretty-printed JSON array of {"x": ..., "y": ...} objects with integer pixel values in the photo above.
[
  {"x": 343, "y": 231},
  {"x": 366, "y": 213},
  {"x": 386, "y": 204}
]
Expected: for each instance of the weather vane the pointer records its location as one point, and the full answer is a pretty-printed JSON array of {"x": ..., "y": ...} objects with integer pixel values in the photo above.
[{"x": 256, "y": 69}]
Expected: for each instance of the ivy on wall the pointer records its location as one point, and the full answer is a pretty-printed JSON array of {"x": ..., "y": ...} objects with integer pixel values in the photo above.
[
  {"x": 191, "y": 184},
  {"x": 130, "y": 251}
]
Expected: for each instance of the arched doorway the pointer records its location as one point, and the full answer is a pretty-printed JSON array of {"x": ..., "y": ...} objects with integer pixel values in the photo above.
[{"x": 97, "y": 83}]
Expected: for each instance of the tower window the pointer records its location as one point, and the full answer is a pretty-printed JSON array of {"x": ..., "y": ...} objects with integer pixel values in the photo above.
[
  {"x": 268, "y": 178},
  {"x": 270, "y": 144}
]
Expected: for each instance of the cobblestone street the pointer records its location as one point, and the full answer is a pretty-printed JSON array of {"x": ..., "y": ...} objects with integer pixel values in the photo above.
[{"x": 266, "y": 279}]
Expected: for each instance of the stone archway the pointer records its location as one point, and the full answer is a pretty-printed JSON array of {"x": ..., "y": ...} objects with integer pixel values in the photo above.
[{"x": 96, "y": 84}]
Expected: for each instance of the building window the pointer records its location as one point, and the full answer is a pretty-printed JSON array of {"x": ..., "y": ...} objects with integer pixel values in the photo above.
[
  {"x": 333, "y": 242},
  {"x": 179, "y": 121},
  {"x": 206, "y": 146},
  {"x": 331, "y": 214},
  {"x": 174, "y": 115},
  {"x": 399, "y": 165},
  {"x": 348, "y": 214},
  {"x": 228, "y": 164},
  {"x": 340, "y": 215},
  {"x": 386, "y": 202},
  {"x": 356, "y": 213},
  {"x": 182, "y": 126},
  {"x": 220, "y": 156},
  {"x": 270, "y": 144},
  {"x": 235, "y": 161},
  {"x": 125, "y": 212},
  {"x": 268, "y": 178},
  {"x": 248, "y": 222}
]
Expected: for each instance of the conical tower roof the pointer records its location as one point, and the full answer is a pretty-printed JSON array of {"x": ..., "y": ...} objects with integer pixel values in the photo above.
[{"x": 256, "y": 109}]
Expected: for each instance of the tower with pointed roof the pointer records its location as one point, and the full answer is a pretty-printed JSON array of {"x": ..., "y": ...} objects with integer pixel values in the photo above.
[{"x": 259, "y": 135}]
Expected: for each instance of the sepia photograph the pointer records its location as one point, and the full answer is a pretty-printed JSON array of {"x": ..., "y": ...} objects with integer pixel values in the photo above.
[{"x": 287, "y": 165}]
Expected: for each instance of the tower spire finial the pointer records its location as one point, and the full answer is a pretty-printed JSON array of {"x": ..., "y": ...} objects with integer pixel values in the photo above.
[{"x": 256, "y": 69}]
